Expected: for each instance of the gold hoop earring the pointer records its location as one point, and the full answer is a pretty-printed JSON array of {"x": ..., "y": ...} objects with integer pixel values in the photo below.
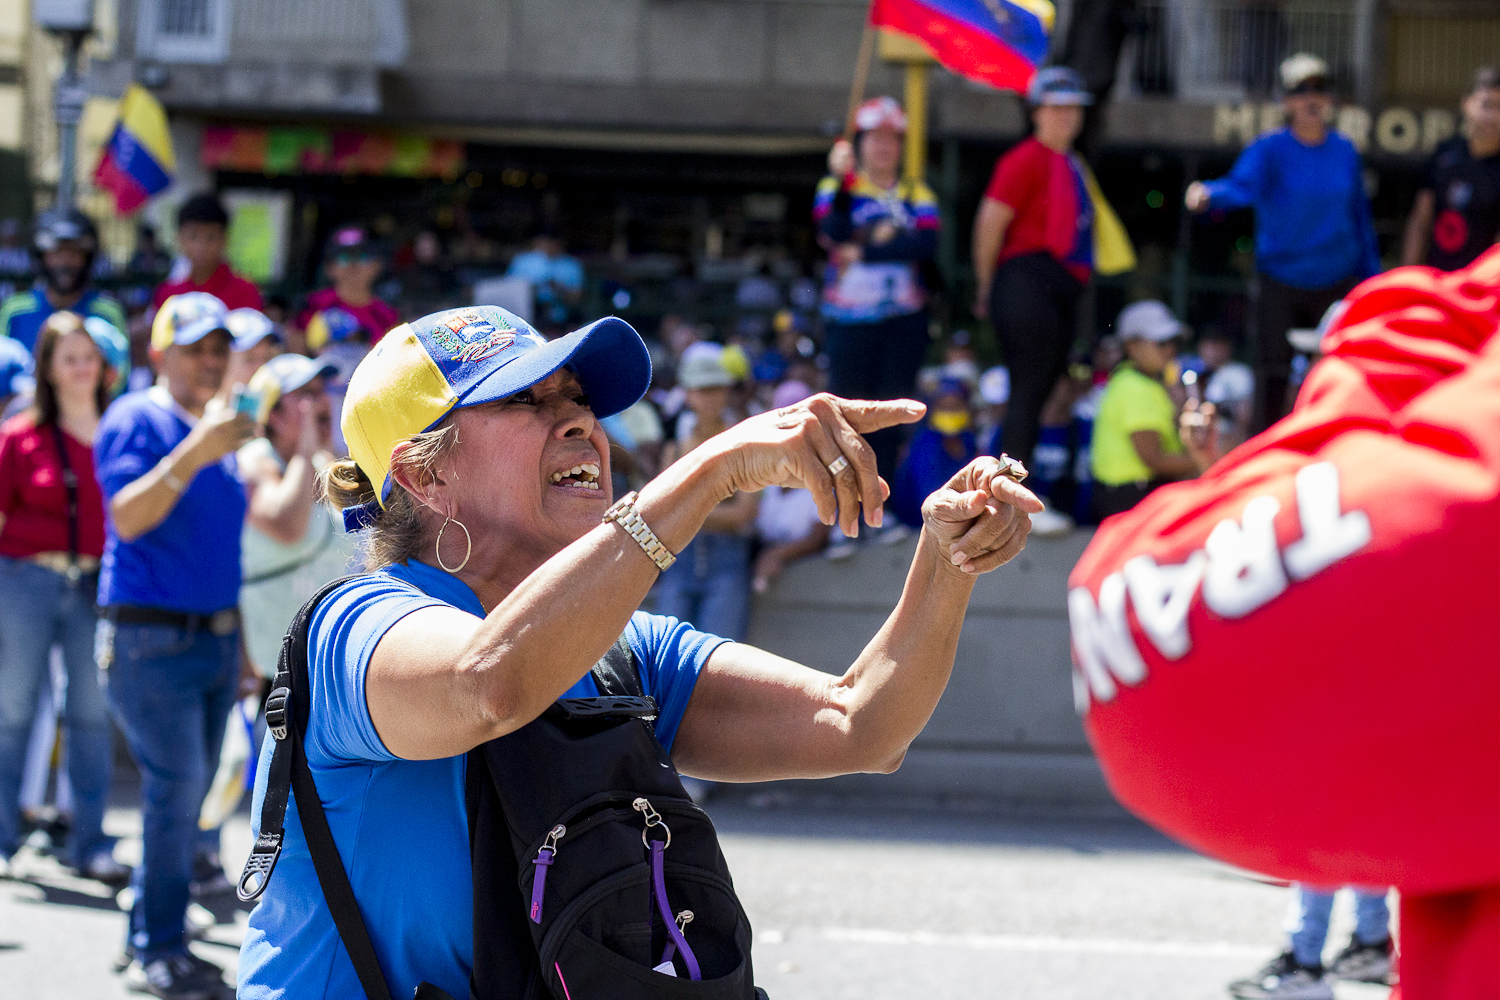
[{"x": 437, "y": 546}]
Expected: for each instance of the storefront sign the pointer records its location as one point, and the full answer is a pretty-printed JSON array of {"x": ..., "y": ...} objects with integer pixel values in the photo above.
[
  {"x": 319, "y": 151},
  {"x": 1395, "y": 131}
]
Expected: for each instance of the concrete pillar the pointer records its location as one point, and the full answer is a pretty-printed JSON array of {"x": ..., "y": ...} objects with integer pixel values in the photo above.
[{"x": 1369, "y": 61}]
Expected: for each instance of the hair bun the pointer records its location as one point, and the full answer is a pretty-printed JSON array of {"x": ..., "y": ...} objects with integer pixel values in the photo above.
[{"x": 345, "y": 484}]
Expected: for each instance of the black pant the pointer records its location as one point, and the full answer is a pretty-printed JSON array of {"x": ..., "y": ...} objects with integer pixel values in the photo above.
[
  {"x": 1281, "y": 308},
  {"x": 1034, "y": 306},
  {"x": 1110, "y": 500},
  {"x": 878, "y": 361}
]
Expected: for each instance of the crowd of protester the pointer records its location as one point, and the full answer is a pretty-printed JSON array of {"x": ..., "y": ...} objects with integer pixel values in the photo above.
[{"x": 160, "y": 519}]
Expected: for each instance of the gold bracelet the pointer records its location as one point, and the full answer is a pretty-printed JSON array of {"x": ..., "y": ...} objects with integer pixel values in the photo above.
[{"x": 624, "y": 514}]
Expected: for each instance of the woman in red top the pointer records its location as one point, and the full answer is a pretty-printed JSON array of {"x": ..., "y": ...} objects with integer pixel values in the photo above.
[
  {"x": 1034, "y": 251},
  {"x": 51, "y": 539}
]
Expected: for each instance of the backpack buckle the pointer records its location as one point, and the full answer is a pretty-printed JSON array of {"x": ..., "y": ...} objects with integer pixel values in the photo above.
[
  {"x": 276, "y": 709},
  {"x": 258, "y": 866}
]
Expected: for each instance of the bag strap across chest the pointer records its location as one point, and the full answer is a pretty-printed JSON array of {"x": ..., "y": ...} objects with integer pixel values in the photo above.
[{"x": 287, "y": 716}]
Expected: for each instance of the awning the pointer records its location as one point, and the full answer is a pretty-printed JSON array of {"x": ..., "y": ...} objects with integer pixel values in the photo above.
[{"x": 296, "y": 150}]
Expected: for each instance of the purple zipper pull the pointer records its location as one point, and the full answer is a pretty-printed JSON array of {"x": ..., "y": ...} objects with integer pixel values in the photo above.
[{"x": 544, "y": 859}]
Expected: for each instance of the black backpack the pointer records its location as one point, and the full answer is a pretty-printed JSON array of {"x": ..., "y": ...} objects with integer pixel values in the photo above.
[{"x": 592, "y": 867}]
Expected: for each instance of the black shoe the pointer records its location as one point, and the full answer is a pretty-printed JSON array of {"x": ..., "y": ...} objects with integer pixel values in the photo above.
[
  {"x": 1283, "y": 978},
  {"x": 208, "y": 876},
  {"x": 1364, "y": 963},
  {"x": 176, "y": 977}
]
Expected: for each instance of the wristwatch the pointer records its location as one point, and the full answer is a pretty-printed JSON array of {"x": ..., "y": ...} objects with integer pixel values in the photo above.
[{"x": 624, "y": 514}]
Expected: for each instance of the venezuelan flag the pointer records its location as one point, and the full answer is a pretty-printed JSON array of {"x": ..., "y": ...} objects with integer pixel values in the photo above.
[
  {"x": 998, "y": 42},
  {"x": 138, "y": 161}
]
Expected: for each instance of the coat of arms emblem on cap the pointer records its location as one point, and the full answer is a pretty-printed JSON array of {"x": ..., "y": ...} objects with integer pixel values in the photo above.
[{"x": 469, "y": 336}]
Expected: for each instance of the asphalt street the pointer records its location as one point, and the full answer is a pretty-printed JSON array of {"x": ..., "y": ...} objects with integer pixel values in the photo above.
[{"x": 849, "y": 899}]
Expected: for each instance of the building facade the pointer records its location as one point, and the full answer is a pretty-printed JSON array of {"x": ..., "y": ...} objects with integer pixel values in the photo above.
[{"x": 667, "y": 137}]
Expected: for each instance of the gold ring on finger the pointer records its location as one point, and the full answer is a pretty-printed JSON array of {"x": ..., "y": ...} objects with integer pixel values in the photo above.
[{"x": 837, "y": 465}]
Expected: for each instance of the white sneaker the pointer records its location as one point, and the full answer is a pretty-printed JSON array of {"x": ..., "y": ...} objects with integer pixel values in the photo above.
[
  {"x": 103, "y": 867},
  {"x": 892, "y": 533},
  {"x": 1049, "y": 523},
  {"x": 840, "y": 547}
]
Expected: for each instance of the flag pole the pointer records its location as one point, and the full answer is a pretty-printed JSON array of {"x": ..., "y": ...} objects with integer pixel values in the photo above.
[
  {"x": 861, "y": 76},
  {"x": 916, "y": 121}
]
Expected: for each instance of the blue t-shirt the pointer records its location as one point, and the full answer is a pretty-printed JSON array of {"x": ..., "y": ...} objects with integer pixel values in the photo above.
[
  {"x": 926, "y": 469},
  {"x": 401, "y": 825},
  {"x": 191, "y": 560},
  {"x": 1313, "y": 226},
  {"x": 15, "y": 367},
  {"x": 539, "y": 269},
  {"x": 22, "y": 315}
]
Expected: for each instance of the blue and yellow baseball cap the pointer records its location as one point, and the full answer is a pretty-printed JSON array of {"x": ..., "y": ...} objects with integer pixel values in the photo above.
[
  {"x": 332, "y": 326},
  {"x": 249, "y": 327},
  {"x": 283, "y": 374},
  {"x": 424, "y": 370},
  {"x": 187, "y": 319}
]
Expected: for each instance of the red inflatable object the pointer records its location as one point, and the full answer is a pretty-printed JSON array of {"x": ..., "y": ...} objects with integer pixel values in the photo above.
[{"x": 1293, "y": 662}]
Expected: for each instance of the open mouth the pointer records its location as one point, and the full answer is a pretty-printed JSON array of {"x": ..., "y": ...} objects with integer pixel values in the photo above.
[{"x": 585, "y": 476}]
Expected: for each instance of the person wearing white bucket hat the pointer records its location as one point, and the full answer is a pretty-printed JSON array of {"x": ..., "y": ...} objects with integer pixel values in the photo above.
[{"x": 1136, "y": 447}]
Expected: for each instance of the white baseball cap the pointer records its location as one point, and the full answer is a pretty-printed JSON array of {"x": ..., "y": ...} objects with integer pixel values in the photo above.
[
  {"x": 1148, "y": 320},
  {"x": 994, "y": 385}
]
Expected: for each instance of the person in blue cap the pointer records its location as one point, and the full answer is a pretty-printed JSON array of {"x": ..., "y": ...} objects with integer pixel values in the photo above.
[
  {"x": 257, "y": 339},
  {"x": 504, "y": 568},
  {"x": 1034, "y": 254},
  {"x": 114, "y": 346},
  {"x": 169, "y": 637}
]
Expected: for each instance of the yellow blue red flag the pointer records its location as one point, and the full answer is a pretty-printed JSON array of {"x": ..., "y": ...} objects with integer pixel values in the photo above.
[
  {"x": 998, "y": 42},
  {"x": 138, "y": 161}
]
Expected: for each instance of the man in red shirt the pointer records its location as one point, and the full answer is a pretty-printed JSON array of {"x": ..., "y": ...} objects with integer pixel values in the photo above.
[
  {"x": 353, "y": 261},
  {"x": 202, "y": 235},
  {"x": 1289, "y": 662}
]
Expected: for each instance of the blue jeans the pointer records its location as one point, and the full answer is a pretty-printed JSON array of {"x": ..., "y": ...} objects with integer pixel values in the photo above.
[
  {"x": 171, "y": 690},
  {"x": 37, "y": 609},
  {"x": 1307, "y": 920},
  {"x": 709, "y": 586}
]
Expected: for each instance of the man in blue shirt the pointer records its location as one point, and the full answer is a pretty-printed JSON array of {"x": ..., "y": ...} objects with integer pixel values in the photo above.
[
  {"x": 169, "y": 636},
  {"x": 1314, "y": 235},
  {"x": 556, "y": 279},
  {"x": 64, "y": 244}
]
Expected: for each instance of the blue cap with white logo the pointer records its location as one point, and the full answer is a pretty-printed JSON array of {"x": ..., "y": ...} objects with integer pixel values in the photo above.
[{"x": 1058, "y": 85}]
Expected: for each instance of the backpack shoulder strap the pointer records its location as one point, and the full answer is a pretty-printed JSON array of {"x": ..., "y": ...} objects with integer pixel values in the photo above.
[
  {"x": 615, "y": 673},
  {"x": 286, "y": 717}
]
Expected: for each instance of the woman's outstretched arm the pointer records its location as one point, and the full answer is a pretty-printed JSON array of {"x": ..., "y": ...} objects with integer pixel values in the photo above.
[
  {"x": 442, "y": 681},
  {"x": 755, "y": 716}
]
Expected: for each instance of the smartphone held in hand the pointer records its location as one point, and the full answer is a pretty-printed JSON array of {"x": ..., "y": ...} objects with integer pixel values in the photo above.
[{"x": 243, "y": 400}]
